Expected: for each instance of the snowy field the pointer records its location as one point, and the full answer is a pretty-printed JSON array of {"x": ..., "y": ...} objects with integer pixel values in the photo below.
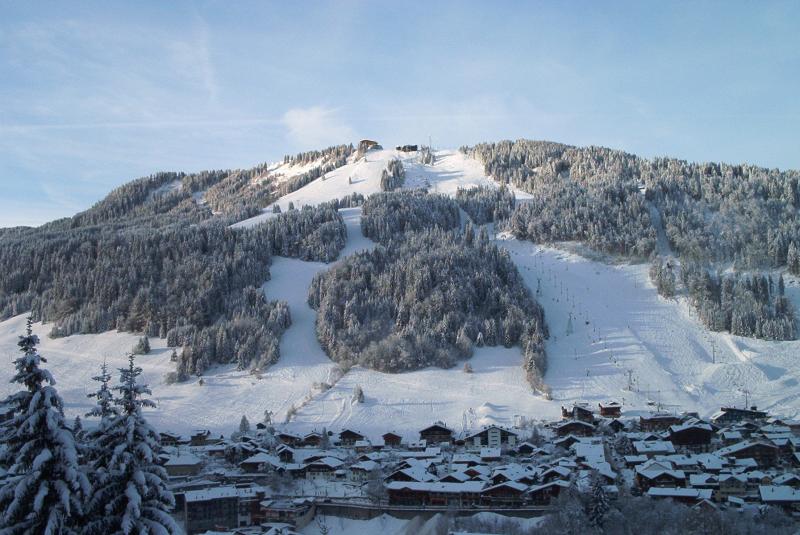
[{"x": 609, "y": 331}]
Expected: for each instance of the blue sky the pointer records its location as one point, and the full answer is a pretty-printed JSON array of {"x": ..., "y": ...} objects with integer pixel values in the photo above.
[{"x": 95, "y": 94}]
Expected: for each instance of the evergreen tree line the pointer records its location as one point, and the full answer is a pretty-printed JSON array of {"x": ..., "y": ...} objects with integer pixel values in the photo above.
[
  {"x": 712, "y": 212},
  {"x": 385, "y": 215},
  {"x": 331, "y": 153},
  {"x": 62, "y": 480},
  {"x": 196, "y": 282},
  {"x": 331, "y": 158},
  {"x": 590, "y": 195},
  {"x": 393, "y": 176},
  {"x": 426, "y": 298},
  {"x": 744, "y": 305},
  {"x": 486, "y": 205}
]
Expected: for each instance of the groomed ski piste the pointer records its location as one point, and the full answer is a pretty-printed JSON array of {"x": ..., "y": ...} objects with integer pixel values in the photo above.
[{"x": 612, "y": 337}]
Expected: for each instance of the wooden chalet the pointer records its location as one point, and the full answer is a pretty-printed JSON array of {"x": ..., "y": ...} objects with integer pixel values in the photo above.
[
  {"x": 289, "y": 439},
  {"x": 574, "y": 427},
  {"x": 506, "y": 494},
  {"x": 436, "y": 434},
  {"x": 658, "y": 422},
  {"x": 463, "y": 494},
  {"x": 348, "y": 437},
  {"x": 610, "y": 409},
  {"x": 579, "y": 411},
  {"x": 312, "y": 440},
  {"x": 764, "y": 453},
  {"x": 693, "y": 435},
  {"x": 730, "y": 415},
  {"x": 544, "y": 494},
  {"x": 392, "y": 440}
]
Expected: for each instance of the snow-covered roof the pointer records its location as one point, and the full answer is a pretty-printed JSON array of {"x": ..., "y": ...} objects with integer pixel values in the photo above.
[
  {"x": 217, "y": 493},
  {"x": 183, "y": 459},
  {"x": 679, "y": 492},
  {"x": 778, "y": 494},
  {"x": 449, "y": 488}
]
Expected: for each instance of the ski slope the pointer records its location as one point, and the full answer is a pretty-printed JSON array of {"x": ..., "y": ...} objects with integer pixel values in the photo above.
[{"x": 625, "y": 343}]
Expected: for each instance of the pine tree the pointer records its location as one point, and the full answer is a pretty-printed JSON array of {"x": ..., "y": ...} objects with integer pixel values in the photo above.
[
  {"x": 142, "y": 347},
  {"x": 45, "y": 487},
  {"x": 793, "y": 259},
  {"x": 130, "y": 495},
  {"x": 104, "y": 407},
  {"x": 598, "y": 504},
  {"x": 77, "y": 428},
  {"x": 358, "y": 394},
  {"x": 244, "y": 425}
]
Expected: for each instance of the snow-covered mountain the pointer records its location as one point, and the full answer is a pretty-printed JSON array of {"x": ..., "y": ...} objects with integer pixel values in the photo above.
[{"x": 611, "y": 337}]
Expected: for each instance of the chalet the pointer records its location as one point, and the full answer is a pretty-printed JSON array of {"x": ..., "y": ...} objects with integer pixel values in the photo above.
[
  {"x": 790, "y": 480},
  {"x": 257, "y": 463},
  {"x": 692, "y": 435},
  {"x": 455, "y": 477},
  {"x": 616, "y": 425},
  {"x": 653, "y": 447},
  {"x": 556, "y": 473},
  {"x": 466, "y": 459},
  {"x": 323, "y": 468},
  {"x": 658, "y": 422},
  {"x": 763, "y": 453},
  {"x": 367, "y": 144},
  {"x": 220, "y": 508},
  {"x": 392, "y": 440},
  {"x": 360, "y": 471},
  {"x": 417, "y": 445},
  {"x": 412, "y": 474},
  {"x": 659, "y": 474},
  {"x": 526, "y": 448},
  {"x": 171, "y": 439},
  {"x": 492, "y": 436},
  {"x": 436, "y": 434},
  {"x": 200, "y": 437},
  {"x": 348, "y": 437},
  {"x": 579, "y": 411},
  {"x": 407, "y": 148},
  {"x": 286, "y": 454},
  {"x": 363, "y": 446},
  {"x": 690, "y": 496},
  {"x": 574, "y": 427},
  {"x": 780, "y": 496},
  {"x": 289, "y": 439},
  {"x": 507, "y": 494},
  {"x": 731, "y": 485},
  {"x": 730, "y": 415},
  {"x": 490, "y": 454},
  {"x": 610, "y": 409},
  {"x": 297, "y": 513},
  {"x": 183, "y": 464},
  {"x": 544, "y": 494},
  {"x": 455, "y": 494},
  {"x": 313, "y": 439}
]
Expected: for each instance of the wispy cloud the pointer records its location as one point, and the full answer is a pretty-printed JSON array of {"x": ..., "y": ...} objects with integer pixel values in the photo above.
[{"x": 316, "y": 126}]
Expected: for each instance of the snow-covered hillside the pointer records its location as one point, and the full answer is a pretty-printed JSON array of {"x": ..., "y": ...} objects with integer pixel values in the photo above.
[{"x": 609, "y": 330}]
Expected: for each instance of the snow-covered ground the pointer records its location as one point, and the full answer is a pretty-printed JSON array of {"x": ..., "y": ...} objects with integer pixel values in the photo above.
[{"x": 621, "y": 331}]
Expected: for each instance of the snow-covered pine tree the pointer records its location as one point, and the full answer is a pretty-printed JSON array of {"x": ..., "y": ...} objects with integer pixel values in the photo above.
[
  {"x": 244, "y": 425},
  {"x": 104, "y": 399},
  {"x": 45, "y": 488},
  {"x": 598, "y": 503},
  {"x": 130, "y": 495}
]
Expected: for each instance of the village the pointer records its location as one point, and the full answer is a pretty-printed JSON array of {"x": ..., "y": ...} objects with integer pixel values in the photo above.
[{"x": 270, "y": 480}]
